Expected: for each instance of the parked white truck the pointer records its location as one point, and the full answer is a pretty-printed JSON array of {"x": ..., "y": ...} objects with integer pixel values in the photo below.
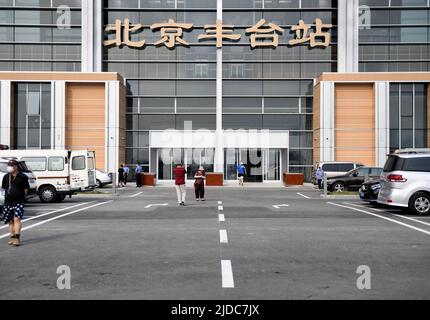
[{"x": 59, "y": 173}]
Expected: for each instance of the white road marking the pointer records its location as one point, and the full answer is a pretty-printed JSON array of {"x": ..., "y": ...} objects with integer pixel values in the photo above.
[
  {"x": 227, "y": 274},
  {"x": 223, "y": 236},
  {"x": 382, "y": 217},
  {"x": 135, "y": 195},
  {"x": 156, "y": 205},
  {"x": 59, "y": 217},
  {"x": 51, "y": 212},
  {"x": 364, "y": 207},
  {"x": 280, "y": 205},
  {"x": 220, "y": 202},
  {"x": 302, "y": 195},
  {"x": 220, "y": 208},
  {"x": 221, "y": 218},
  {"x": 396, "y": 215}
]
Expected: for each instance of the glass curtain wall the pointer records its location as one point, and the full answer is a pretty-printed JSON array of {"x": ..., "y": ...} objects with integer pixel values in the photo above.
[
  {"x": 263, "y": 88},
  {"x": 166, "y": 88},
  {"x": 394, "y": 35},
  {"x": 272, "y": 87},
  {"x": 40, "y": 35},
  {"x": 408, "y": 116},
  {"x": 32, "y": 116}
]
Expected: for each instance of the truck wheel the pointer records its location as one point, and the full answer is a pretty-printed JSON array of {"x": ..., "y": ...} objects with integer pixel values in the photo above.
[
  {"x": 47, "y": 195},
  {"x": 420, "y": 204}
]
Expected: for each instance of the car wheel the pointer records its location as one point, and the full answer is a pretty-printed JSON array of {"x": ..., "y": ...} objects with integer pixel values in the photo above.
[
  {"x": 338, "y": 187},
  {"x": 99, "y": 184},
  {"x": 47, "y": 195},
  {"x": 420, "y": 204}
]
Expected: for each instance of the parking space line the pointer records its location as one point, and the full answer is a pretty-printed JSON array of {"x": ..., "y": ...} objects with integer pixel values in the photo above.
[
  {"x": 220, "y": 208},
  {"x": 364, "y": 207},
  {"x": 49, "y": 213},
  {"x": 221, "y": 218},
  {"x": 223, "y": 236},
  {"x": 135, "y": 195},
  {"x": 59, "y": 217},
  {"x": 394, "y": 214},
  {"x": 227, "y": 274},
  {"x": 382, "y": 217},
  {"x": 220, "y": 202},
  {"x": 302, "y": 195}
]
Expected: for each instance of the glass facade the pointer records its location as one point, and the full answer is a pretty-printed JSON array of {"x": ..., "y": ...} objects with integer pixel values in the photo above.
[
  {"x": 263, "y": 88},
  {"x": 40, "y": 35},
  {"x": 408, "y": 116},
  {"x": 32, "y": 116},
  {"x": 394, "y": 35}
]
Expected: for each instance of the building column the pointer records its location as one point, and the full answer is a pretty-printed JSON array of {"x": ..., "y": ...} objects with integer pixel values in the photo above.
[
  {"x": 92, "y": 35},
  {"x": 382, "y": 125},
  {"x": 327, "y": 124},
  {"x": 348, "y": 37},
  {"x": 58, "y": 115},
  {"x": 219, "y": 149},
  {"x": 5, "y": 113},
  {"x": 112, "y": 101}
]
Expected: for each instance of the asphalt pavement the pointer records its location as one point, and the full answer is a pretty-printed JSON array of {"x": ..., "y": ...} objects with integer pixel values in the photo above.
[{"x": 242, "y": 243}]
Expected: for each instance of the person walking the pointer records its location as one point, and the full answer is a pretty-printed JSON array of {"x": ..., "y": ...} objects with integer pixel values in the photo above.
[
  {"x": 241, "y": 171},
  {"x": 138, "y": 176},
  {"x": 126, "y": 173},
  {"x": 16, "y": 186},
  {"x": 180, "y": 186},
  {"x": 320, "y": 177},
  {"x": 121, "y": 177},
  {"x": 199, "y": 184}
]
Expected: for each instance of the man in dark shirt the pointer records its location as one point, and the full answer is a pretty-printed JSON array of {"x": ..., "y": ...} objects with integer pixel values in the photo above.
[{"x": 16, "y": 185}]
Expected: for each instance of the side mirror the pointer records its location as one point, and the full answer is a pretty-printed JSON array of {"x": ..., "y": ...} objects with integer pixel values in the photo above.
[{"x": 355, "y": 174}]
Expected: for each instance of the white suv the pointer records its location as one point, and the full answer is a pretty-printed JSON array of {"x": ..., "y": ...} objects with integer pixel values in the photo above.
[{"x": 405, "y": 181}]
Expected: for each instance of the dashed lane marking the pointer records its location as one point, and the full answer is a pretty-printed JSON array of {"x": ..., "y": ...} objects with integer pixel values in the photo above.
[
  {"x": 227, "y": 274},
  {"x": 223, "y": 236}
]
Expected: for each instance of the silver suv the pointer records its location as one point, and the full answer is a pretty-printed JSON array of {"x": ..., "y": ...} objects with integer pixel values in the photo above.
[{"x": 405, "y": 181}]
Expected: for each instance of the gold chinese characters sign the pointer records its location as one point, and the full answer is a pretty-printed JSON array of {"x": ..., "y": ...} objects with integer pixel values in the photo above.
[{"x": 262, "y": 34}]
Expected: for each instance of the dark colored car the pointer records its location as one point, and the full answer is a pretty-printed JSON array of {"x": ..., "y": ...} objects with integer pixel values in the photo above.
[
  {"x": 353, "y": 180},
  {"x": 369, "y": 191}
]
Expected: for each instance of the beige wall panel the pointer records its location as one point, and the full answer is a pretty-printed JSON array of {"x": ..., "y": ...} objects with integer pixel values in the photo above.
[
  {"x": 85, "y": 118},
  {"x": 354, "y": 123},
  {"x": 377, "y": 76}
]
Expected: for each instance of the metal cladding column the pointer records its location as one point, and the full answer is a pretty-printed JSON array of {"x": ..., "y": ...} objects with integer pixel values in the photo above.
[
  {"x": 348, "y": 17},
  {"x": 5, "y": 113},
  {"x": 219, "y": 149},
  {"x": 92, "y": 35}
]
